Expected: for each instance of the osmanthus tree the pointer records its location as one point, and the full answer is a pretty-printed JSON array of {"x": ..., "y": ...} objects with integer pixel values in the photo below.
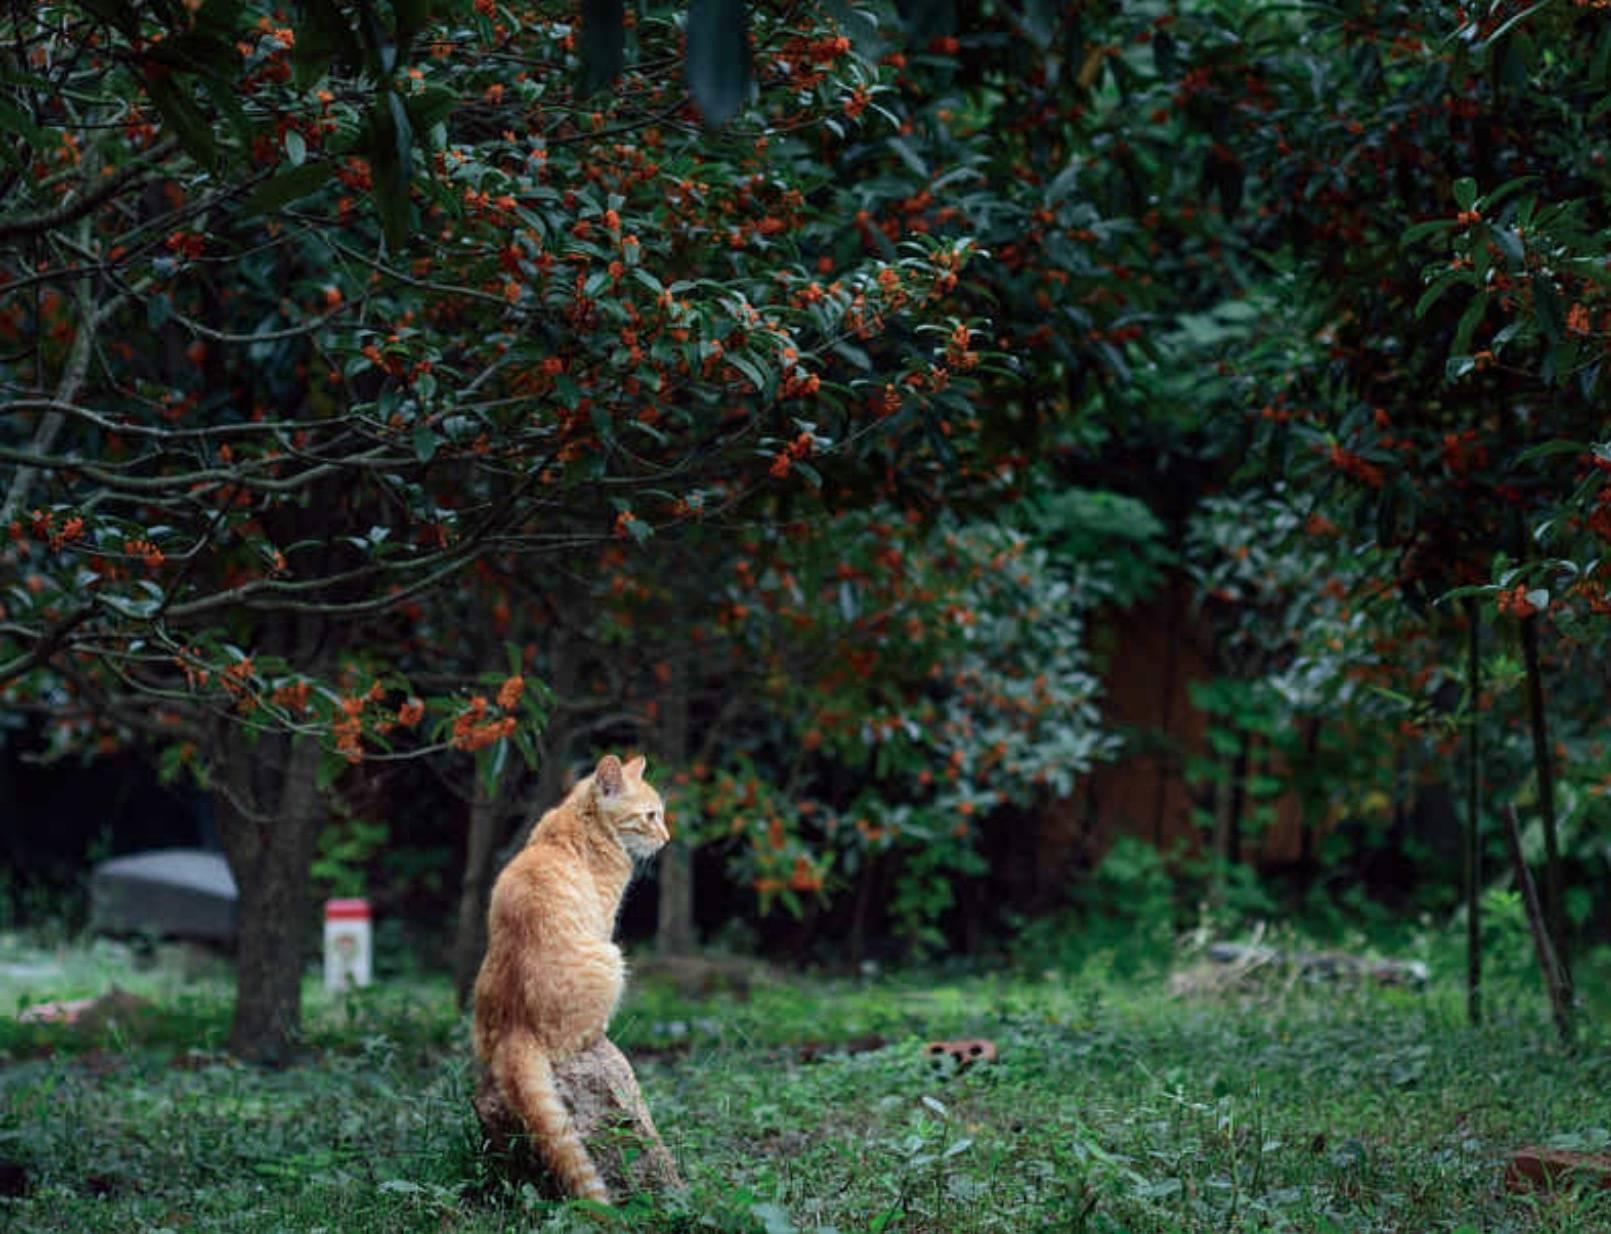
[
  {"x": 1055, "y": 136},
  {"x": 909, "y": 678},
  {"x": 305, "y": 312},
  {"x": 1384, "y": 137},
  {"x": 884, "y": 171}
]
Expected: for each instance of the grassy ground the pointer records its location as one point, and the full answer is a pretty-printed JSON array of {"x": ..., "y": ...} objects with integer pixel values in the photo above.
[{"x": 809, "y": 1105}]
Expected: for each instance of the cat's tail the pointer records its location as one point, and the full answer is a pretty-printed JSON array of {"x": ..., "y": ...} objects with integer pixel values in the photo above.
[{"x": 526, "y": 1077}]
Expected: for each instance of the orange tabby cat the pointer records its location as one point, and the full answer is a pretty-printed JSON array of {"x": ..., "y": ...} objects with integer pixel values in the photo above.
[{"x": 552, "y": 977}]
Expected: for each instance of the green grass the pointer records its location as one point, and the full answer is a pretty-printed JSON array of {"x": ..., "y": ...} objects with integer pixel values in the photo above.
[{"x": 1114, "y": 1106}]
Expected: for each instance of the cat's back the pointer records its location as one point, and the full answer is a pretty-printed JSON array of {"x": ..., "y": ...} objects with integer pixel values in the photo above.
[{"x": 534, "y": 897}]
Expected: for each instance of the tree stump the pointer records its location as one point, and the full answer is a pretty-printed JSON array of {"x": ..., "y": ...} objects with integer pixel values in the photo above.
[{"x": 607, "y": 1109}]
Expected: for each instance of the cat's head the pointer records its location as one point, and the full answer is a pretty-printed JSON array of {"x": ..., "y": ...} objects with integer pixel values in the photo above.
[{"x": 630, "y": 808}]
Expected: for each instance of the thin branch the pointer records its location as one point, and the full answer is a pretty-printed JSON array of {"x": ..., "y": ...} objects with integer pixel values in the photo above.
[{"x": 84, "y": 200}]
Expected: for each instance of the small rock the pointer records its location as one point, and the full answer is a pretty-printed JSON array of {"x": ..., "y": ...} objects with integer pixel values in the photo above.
[{"x": 175, "y": 892}]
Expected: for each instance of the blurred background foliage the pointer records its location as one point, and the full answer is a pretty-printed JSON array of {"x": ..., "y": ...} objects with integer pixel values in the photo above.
[{"x": 1019, "y": 465}]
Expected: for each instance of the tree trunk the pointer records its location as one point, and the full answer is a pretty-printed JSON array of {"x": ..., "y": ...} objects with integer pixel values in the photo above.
[
  {"x": 470, "y": 937},
  {"x": 1473, "y": 813},
  {"x": 1549, "y": 966},
  {"x": 1225, "y": 823},
  {"x": 674, "y": 925},
  {"x": 269, "y": 814},
  {"x": 1544, "y": 768},
  {"x": 858, "y": 916}
]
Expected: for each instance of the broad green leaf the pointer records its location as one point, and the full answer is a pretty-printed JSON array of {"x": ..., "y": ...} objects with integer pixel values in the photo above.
[
  {"x": 331, "y": 765},
  {"x": 1432, "y": 294},
  {"x": 290, "y": 185},
  {"x": 403, "y": 133},
  {"x": 1465, "y": 192},
  {"x": 425, "y": 442},
  {"x": 1548, "y": 448},
  {"x": 1506, "y": 27},
  {"x": 1416, "y": 232},
  {"x": 429, "y": 107},
  {"x": 17, "y": 123},
  {"x": 192, "y": 128},
  {"x": 1469, "y": 320},
  {"x": 1548, "y": 307},
  {"x": 390, "y": 164},
  {"x": 750, "y": 369}
]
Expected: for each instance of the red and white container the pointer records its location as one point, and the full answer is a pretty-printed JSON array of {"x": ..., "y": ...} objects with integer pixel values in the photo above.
[{"x": 347, "y": 944}]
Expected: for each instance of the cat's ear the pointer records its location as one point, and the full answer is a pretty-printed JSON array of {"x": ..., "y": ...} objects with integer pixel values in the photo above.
[
  {"x": 634, "y": 768},
  {"x": 608, "y": 779}
]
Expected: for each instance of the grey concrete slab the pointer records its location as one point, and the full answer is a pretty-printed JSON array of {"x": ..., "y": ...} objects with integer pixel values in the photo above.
[{"x": 171, "y": 892}]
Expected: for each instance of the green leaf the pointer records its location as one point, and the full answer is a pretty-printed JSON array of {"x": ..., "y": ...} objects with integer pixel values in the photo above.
[
  {"x": 603, "y": 44},
  {"x": 331, "y": 765},
  {"x": 18, "y": 124},
  {"x": 1412, "y": 234},
  {"x": 1548, "y": 448},
  {"x": 1432, "y": 294},
  {"x": 429, "y": 107},
  {"x": 403, "y": 133},
  {"x": 390, "y": 163},
  {"x": 718, "y": 58},
  {"x": 1465, "y": 192},
  {"x": 192, "y": 128},
  {"x": 296, "y": 147},
  {"x": 750, "y": 369},
  {"x": 1469, "y": 320},
  {"x": 1510, "y": 245},
  {"x": 910, "y": 157},
  {"x": 1510, "y": 25},
  {"x": 425, "y": 442},
  {"x": 1600, "y": 66},
  {"x": 1548, "y": 307},
  {"x": 291, "y": 185},
  {"x": 1505, "y": 191}
]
